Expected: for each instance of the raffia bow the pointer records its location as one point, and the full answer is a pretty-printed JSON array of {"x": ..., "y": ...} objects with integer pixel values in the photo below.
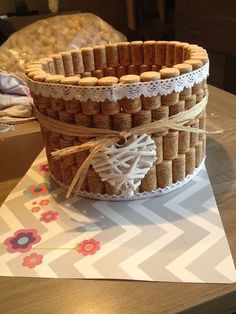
[{"x": 102, "y": 138}]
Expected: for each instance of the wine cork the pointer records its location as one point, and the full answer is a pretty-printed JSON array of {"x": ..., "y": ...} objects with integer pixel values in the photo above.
[
  {"x": 83, "y": 119},
  {"x": 102, "y": 120},
  {"x": 67, "y": 63},
  {"x": 169, "y": 72},
  {"x": 81, "y": 156},
  {"x": 66, "y": 174},
  {"x": 110, "y": 71},
  {"x": 112, "y": 55},
  {"x": 84, "y": 185},
  {"x": 108, "y": 81},
  {"x": 199, "y": 92},
  {"x": 178, "y": 168},
  {"x": 155, "y": 67},
  {"x": 191, "y": 48},
  {"x": 144, "y": 68},
  {"x": 133, "y": 69},
  {"x": 88, "y": 59},
  {"x": 121, "y": 71},
  {"x": 153, "y": 102},
  {"x": 64, "y": 143},
  {"x": 198, "y": 153},
  {"x": 51, "y": 68},
  {"x": 159, "y": 148},
  {"x": 179, "y": 107},
  {"x": 111, "y": 190},
  {"x": 178, "y": 52},
  {"x": 44, "y": 64},
  {"x": 86, "y": 74},
  {"x": 199, "y": 56},
  {"x": 43, "y": 104},
  {"x": 100, "y": 57},
  {"x": 170, "y": 53},
  {"x": 52, "y": 142},
  {"x": 194, "y": 137},
  {"x": 57, "y": 104},
  {"x": 58, "y": 64},
  {"x": 52, "y": 113},
  {"x": 160, "y": 53},
  {"x": 190, "y": 161},
  {"x": 184, "y": 142},
  {"x": 198, "y": 50},
  {"x": 190, "y": 102},
  {"x": 202, "y": 124},
  {"x": 34, "y": 73},
  {"x": 150, "y": 76},
  {"x": 98, "y": 74},
  {"x": 70, "y": 80},
  {"x": 184, "y": 68},
  {"x": 130, "y": 105},
  {"x": 109, "y": 107},
  {"x": 170, "y": 145},
  {"x": 95, "y": 184},
  {"x": 124, "y": 53},
  {"x": 173, "y": 98},
  {"x": 136, "y": 49},
  {"x": 185, "y": 52},
  {"x": 164, "y": 173},
  {"x": 160, "y": 113},
  {"x": 33, "y": 64},
  {"x": 66, "y": 116},
  {"x": 40, "y": 77},
  {"x": 54, "y": 78},
  {"x": 90, "y": 107},
  {"x": 122, "y": 121},
  {"x": 149, "y": 52},
  {"x": 142, "y": 117},
  {"x": 34, "y": 69},
  {"x": 149, "y": 182},
  {"x": 72, "y": 106},
  {"x": 196, "y": 64},
  {"x": 88, "y": 81},
  {"x": 77, "y": 61}
]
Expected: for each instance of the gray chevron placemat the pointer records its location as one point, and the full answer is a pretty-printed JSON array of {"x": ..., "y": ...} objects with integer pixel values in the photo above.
[{"x": 178, "y": 237}]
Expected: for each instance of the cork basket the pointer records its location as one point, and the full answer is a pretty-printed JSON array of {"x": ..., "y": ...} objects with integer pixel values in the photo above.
[{"x": 179, "y": 153}]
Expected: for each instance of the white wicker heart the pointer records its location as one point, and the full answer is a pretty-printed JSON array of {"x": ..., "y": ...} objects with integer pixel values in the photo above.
[{"x": 124, "y": 166}]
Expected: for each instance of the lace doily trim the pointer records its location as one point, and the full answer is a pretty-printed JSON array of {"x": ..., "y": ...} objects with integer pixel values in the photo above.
[
  {"x": 137, "y": 196},
  {"x": 119, "y": 91}
]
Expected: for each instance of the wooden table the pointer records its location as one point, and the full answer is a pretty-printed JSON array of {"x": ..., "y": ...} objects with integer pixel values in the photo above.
[{"x": 70, "y": 296}]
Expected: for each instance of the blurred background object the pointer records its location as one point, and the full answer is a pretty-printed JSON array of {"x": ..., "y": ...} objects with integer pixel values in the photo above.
[{"x": 209, "y": 23}]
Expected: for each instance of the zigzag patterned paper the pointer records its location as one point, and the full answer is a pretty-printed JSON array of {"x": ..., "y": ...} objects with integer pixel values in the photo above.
[{"x": 178, "y": 237}]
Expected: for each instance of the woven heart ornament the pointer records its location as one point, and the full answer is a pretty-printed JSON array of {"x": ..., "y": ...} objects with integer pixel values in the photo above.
[{"x": 124, "y": 166}]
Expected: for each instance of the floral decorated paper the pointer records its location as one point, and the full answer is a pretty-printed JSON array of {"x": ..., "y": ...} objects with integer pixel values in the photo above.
[{"x": 178, "y": 237}]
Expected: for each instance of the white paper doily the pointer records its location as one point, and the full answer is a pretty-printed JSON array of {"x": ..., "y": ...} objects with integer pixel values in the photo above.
[
  {"x": 136, "y": 196},
  {"x": 119, "y": 91}
]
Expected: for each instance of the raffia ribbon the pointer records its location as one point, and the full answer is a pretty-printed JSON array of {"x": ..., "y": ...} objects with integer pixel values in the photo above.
[{"x": 102, "y": 138}]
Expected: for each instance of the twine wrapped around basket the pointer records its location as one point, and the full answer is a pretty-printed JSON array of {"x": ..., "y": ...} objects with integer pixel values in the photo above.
[{"x": 88, "y": 100}]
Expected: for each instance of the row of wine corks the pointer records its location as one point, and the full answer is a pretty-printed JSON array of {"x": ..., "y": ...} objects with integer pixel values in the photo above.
[
  {"x": 111, "y": 118},
  {"x": 128, "y": 105},
  {"x": 108, "y": 114},
  {"x": 132, "y": 57},
  {"x": 161, "y": 175}
]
